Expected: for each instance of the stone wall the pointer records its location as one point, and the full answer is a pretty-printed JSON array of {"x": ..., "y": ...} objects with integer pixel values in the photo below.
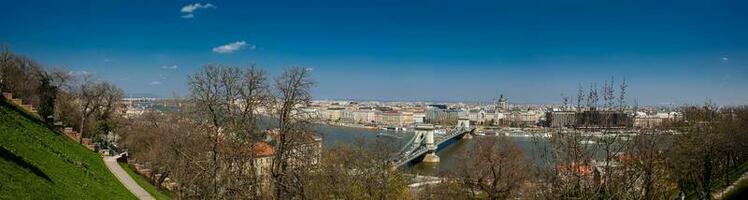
[{"x": 67, "y": 131}]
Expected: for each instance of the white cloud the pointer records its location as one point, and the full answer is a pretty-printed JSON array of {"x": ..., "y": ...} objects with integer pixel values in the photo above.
[
  {"x": 155, "y": 83},
  {"x": 169, "y": 67},
  {"x": 79, "y": 73},
  {"x": 725, "y": 59},
  {"x": 192, "y": 7},
  {"x": 234, "y": 46},
  {"x": 188, "y": 9}
]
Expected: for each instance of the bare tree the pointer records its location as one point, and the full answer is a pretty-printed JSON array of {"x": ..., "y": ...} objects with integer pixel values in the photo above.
[
  {"x": 226, "y": 102},
  {"x": 710, "y": 147},
  {"x": 292, "y": 92},
  {"x": 496, "y": 168},
  {"x": 20, "y": 75},
  {"x": 254, "y": 95},
  {"x": 646, "y": 167},
  {"x": 96, "y": 97},
  {"x": 580, "y": 98},
  {"x": 357, "y": 171},
  {"x": 585, "y": 161}
]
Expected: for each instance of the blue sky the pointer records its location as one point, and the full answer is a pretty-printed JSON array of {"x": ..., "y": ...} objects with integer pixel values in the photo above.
[{"x": 671, "y": 52}]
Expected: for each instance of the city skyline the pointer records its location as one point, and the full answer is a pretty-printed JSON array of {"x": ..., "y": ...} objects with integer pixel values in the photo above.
[{"x": 669, "y": 53}]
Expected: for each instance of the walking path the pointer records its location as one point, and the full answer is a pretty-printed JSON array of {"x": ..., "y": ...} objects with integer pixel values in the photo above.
[{"x": 125, "y": 179}]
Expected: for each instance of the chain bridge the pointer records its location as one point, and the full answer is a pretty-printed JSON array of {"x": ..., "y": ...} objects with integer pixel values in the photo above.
[{"x": 426, "y": 142}]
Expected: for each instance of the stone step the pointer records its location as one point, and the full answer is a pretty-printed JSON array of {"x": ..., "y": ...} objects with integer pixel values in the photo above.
[
  {"x": 8, "y": 95},
  {"x": 87, "y": 141}
]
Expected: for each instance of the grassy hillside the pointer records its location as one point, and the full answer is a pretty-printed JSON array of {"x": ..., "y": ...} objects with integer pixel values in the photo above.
[
  {"x": 38, "y": 163},
  {"x": 740, "y": 191}
]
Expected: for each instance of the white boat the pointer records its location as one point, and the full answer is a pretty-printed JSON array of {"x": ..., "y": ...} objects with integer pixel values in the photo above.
[
  {"x": 388, "y": 135},
  {"x": 587, "y": 142}
]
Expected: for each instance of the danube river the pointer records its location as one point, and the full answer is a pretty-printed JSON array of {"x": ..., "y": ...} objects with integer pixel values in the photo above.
[{"x": 449, "y": 156}]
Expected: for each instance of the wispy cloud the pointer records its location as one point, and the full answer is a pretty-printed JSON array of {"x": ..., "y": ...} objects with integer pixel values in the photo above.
[
  {"x": 155, "y": 83},
  {"x": 171, "y": 67},
  {"x": 234, "y": 46},
  {"x": 189, "y": 9},
  {"x": 725, "y": 59},
  {"x": 79, "y": 73}
]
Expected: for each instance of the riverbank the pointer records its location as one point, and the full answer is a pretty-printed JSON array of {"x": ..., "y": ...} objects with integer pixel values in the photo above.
[{"x": 348, "y": 125}]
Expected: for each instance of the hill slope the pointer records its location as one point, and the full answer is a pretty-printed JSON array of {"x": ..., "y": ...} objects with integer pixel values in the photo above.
[{"x": 38, "y": 163}]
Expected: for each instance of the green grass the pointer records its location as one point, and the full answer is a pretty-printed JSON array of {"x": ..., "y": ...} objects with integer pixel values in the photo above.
[
  {"x": 39, "y": 163},
  {"x": 717, "y": 185},
  {"x": 155, "y": 192},
  {"x": 740, "y": 191}
]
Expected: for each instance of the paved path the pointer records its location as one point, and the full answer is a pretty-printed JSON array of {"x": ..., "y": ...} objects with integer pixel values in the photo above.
[{"x": 125, "y": 179}]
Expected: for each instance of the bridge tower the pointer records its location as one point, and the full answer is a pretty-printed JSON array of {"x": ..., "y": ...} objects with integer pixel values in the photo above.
[
  {"x": 428, "y": 132},
  {"x": 465, "y": 125}
]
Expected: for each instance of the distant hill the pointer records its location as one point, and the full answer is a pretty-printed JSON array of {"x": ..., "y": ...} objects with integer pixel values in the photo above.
[{"x": 39, "y": 163}]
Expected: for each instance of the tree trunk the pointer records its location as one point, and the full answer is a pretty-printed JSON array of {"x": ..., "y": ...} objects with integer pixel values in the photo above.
[{"x": 83, "y": 122}]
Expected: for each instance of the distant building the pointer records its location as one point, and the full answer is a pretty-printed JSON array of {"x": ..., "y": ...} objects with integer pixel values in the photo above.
[
  {"x": 262, "y": 160},
  {"x": 644, "y": 120},
  {"x": 524, "y": 118},
  {"x": 438, "y": 106},
  {"x": 419, "y": 117},
  {"x": 490, "y": 118},
  {"x": 557, "y": 119},
  {"x": 480, "y": 117},
  {"x": 305, "y": 150},
  {"x": 395, "y": 118},
  {"x": 442, "y": 116},
  {"x": 502, "y": 104},
  {"x": 598, "y": 119},
  {"x": 647, "y": 121},
  {"x": 365, "y": 116},
  {"x": 332, "y": 113},
  {"x": 360, "y": 116}
]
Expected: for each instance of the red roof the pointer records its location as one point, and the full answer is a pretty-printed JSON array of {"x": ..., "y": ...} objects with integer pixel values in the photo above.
[
  {"x": 574, "y": 168},
  {"x": 262, "y": 149}
]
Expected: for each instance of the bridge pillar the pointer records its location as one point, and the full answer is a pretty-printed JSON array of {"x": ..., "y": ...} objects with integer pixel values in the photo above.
[
  {"x": 430, "y": 156},
  {"x": 427, "y": 131}
]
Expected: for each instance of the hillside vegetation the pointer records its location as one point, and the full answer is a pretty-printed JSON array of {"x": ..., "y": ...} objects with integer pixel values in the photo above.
[{"x": 39, "y": 163}]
